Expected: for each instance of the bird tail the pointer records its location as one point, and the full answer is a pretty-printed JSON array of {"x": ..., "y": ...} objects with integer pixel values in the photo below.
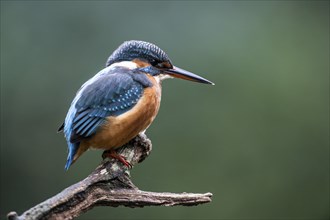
[{"x": 73, "y": 147}]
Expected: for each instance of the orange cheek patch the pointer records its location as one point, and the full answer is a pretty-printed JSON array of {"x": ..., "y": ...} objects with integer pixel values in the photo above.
[{"x": 141, "y": 63}]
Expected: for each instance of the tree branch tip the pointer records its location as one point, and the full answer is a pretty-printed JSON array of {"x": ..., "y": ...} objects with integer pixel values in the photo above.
[
  {"x": 208, "y": 194},
  {"x": 12, "y": 216}
]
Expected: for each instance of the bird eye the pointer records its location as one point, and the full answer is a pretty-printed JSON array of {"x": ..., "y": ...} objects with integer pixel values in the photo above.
[{"x": 160, "y": 65}]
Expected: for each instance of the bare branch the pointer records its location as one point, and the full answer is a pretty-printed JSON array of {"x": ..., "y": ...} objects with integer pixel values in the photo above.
[{"x": 109, "y": 185}]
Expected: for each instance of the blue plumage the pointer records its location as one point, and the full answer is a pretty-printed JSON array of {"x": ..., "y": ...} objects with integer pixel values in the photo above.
[
  {"x": 115, "y": 90},
  {"x": 111, "y": 92}
]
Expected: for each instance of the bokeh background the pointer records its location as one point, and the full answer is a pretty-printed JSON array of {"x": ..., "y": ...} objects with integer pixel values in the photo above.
[{"x": 258, "y": 139}]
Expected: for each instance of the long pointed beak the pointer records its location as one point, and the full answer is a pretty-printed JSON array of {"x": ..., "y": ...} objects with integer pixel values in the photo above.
[{"x": 184, "y": 74}]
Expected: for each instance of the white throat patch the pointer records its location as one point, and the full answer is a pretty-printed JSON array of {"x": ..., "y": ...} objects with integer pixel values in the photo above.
[{"x": 161, "y": 77}]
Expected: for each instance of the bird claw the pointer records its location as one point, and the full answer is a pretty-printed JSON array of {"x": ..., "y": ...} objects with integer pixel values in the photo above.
[{"x": 115, "y": 155}]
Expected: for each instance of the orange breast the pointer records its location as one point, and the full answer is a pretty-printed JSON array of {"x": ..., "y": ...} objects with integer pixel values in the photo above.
[{"x": 117, "y": 131}]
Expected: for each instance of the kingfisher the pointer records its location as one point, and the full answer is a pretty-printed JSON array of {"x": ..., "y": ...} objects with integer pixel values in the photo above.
[{"x": 120, "y": 101}]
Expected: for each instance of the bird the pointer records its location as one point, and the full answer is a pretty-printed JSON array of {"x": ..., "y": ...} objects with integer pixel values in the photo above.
[{"x": 120, "y": 101}]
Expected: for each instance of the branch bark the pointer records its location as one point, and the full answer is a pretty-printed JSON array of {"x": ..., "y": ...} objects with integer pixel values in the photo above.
[{"x": 109, "y": 185}]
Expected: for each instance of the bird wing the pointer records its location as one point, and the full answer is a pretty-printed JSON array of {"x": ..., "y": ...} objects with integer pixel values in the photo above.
[{"x": 109, "y": 95}]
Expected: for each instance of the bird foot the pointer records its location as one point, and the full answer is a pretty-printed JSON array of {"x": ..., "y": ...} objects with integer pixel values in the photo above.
[{"x": 114, "y": 154}]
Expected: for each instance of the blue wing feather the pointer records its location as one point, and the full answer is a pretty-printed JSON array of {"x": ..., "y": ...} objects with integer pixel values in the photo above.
[
  {"x": 90, "y": 131},
  {"x": 87, "y": 128},
  {"x": 108, "y": 95},
  {"x": 80, "y": 116},
  {"x": 114, "y": 105},
  {"x": 79, "y": 129},
  {"x": 111, "y": 92}
]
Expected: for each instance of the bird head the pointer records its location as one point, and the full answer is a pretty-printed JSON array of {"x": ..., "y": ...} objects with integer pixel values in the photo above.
[{"x": 150, "y": 59}]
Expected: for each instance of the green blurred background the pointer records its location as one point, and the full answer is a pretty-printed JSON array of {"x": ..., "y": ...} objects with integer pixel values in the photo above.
[{"x": 258, "y": 139}]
